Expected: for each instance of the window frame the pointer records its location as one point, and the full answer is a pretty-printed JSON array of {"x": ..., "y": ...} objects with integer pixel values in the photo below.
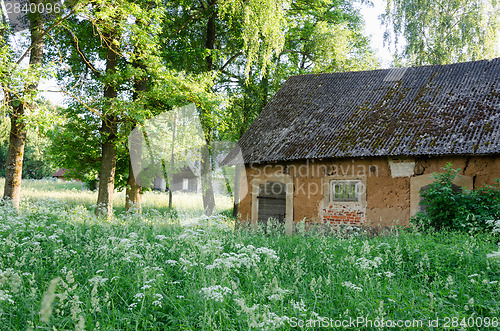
[
  {"x": 346, "y": 182},
  {"x": 185, "y": 184}
]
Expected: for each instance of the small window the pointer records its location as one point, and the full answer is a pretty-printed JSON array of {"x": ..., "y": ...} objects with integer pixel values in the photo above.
[
  {"x": 345, "y": 190},
  {"x": 185, "y": 184}
]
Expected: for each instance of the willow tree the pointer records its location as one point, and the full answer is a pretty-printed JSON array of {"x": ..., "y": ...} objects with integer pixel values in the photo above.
[
  {"x": 210, "y": 35},
  {"x": 443, "y": 31},
  {"x": 320, "y": 36}
]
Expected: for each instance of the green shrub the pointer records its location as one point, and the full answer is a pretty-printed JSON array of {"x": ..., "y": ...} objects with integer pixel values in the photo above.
[{"x": 464, "y": 210}]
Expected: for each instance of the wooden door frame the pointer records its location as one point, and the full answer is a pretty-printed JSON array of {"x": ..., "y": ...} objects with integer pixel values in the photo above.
[{"x": 284, "y": 179}]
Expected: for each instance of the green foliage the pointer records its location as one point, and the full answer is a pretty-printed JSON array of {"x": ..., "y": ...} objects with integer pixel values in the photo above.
[
  {"x": 443, "y": 31},
  {"x": 37, "y": 164},
  {"x": 148, "y": 273},
  {"x": 320, "y": 36},
  {"x": 462, "y": 210}
]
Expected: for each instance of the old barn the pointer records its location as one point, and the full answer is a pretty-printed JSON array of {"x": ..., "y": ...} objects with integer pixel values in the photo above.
[{"x": 357, "y": 147}]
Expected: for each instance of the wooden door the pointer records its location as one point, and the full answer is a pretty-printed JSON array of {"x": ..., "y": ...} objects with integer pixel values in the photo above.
[{"x": 272, "y": 201}]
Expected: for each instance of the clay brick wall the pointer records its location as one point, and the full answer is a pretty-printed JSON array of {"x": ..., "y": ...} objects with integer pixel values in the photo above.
[
  {"x": 387, "y": 200},
  {"x": 337, "y": 214}
]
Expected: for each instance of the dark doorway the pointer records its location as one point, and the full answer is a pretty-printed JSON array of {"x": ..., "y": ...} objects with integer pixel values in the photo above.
[{"x": 272, "y": 201}]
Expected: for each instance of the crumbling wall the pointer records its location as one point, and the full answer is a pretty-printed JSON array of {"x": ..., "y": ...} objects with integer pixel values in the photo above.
[{"x": 387, "y": 199}]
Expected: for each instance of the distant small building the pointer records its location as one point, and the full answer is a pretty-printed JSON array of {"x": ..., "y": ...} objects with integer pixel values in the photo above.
[
  {"x": 159, "y": 184},
  {"x": 185, "y": 180},
  {"x": 60, "y": 174}
]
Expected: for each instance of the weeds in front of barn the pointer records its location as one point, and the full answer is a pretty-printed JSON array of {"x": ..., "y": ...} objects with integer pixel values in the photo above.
[{"x": 61, "y": 267}]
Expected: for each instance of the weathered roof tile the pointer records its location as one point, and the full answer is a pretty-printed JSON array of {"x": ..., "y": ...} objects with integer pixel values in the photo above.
[{"x": 428, "y": 110}]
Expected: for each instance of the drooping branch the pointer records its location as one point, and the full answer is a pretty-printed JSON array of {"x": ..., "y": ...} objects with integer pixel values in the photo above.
[
  {"x": 230, "y": 60},
  {"x": 74, "y": 42}
]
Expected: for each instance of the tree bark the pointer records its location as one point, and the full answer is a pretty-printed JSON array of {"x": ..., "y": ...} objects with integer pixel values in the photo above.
[
  {"x": 109, "y": 131},
  {"x": 108, "y": 166},
  {"x": 17, "y": 137},
  {"x": 206, "y": 170},
  {"x": 206, "y": 182},
  {"x": 172, "y": 159},
  {"x": 14, "y": 164},
  {"x": 236, "y": 195},
  {"x": 133, "y": 192}
]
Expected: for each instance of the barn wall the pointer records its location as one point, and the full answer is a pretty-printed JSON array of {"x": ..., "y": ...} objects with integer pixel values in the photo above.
[{"x": 387, "y": 201}]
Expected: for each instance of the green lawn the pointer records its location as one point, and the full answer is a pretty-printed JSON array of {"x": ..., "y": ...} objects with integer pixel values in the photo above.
[{"x": 61, "y": 268}]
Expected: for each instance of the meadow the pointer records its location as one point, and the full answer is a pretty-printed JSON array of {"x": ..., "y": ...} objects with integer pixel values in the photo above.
[
  {"x": 73, "y": 194},
  {"x": 63, "y": 268}
]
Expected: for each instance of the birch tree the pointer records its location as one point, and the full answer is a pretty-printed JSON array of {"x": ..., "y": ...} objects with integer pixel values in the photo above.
[{"x": 442, "y": 31}]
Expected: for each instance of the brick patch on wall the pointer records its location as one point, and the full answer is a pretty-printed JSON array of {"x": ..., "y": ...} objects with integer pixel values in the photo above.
[{"x": 343, "y": 214}]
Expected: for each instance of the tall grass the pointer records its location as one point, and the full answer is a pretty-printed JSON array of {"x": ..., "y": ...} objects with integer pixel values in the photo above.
[
  {"x": 61, "y": 267},
  {"x": 73, "y": 194}
]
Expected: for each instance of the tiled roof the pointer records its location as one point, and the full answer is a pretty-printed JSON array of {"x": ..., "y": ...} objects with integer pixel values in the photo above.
[
  {"x": 60, "y": 173},
  {"x": 428, "y": 110}
]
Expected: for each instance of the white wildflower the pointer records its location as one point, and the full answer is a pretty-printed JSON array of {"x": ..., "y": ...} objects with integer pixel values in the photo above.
[
  {"x": 5, "y": 296},
  {"x": 494, "y": 255},
  {"x": 449, "y": 281},
  {"x": 300, "y": 306},
  {"x": 364, "y": 263},
  {"x": 187, "y": 263},
  {"x": 98, "y": 280},
  {"x": 278, "y": 294},
  {"x": 247, "y": 256},
  {"x": 215, "y": 292},
  {"x": 352, "y": 286}
]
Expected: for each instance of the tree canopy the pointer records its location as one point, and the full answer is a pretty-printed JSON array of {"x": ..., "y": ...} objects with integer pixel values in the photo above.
[
  {"x": 124, "y": 62},
  {"x": 443, "y": 31}
]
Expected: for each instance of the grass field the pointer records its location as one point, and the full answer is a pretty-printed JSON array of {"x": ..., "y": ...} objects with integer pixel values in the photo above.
[
  {"x": 72, "y": 194},
  {"x": 62, "y": 268}
]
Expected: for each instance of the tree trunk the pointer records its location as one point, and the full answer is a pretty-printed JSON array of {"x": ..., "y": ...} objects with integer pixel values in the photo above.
[
  {"x": 206, "y": 182},
  {"x": 172, "y": 159},
  {"x": 206, "y": 169},
  {"x": 133, "y": 192},
  {"x": 236, "y": 195},
  {"x": 109, "y": 130},
  {"x": 14, "y": 164},
  {"x": 17, "y": 138},
  {"x": 108, "y": 166}
]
